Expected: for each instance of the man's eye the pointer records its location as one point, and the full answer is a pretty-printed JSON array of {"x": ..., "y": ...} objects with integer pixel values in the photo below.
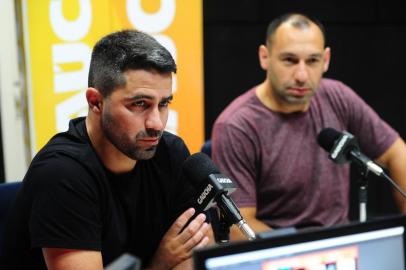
[
  {"x": 164, "y": 103},
  {"x": 140, "y": 103},
  {"x": 312, "y": 61},
  {"x": 289, "y": 60}
]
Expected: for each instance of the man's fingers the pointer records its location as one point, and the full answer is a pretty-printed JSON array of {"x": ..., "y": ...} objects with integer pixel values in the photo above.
[
  {"x": 205, "y": 240},
  {"x": 197, "y": 236},
  {"x": 191, "y": 229},
  {"x": 181, "y": 221}
]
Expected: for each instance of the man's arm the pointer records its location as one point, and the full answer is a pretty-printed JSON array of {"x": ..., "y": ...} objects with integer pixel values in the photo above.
[
  {"x": 69, "y": 259},
  {"x": 249, "y": 214},
  {"x": 175, "y": 248},
  {"x": 394, "y": 159}
]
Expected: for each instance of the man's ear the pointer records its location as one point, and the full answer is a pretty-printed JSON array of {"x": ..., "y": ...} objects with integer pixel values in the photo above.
[
  {"x": 94, "y": 99},
  {"x": 263, "y": 55},
  {"x": 327, "y": 57}
]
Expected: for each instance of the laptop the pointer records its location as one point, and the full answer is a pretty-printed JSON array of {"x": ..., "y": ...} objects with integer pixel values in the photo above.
[
  {"x": 372, "y": 245},
  {"x": 125, "y": 262}
]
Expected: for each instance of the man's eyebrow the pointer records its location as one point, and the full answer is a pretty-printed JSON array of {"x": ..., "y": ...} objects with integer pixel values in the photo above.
[
  {"x": 317, "y": 55},
  {"x": 136, "y": 97},
  {"x": 288, "y": 54},
  {"x": 142, "y": 96}
]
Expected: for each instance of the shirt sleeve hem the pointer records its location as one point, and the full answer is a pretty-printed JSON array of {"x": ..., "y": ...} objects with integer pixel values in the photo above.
[{"x": 68, "y": 244}]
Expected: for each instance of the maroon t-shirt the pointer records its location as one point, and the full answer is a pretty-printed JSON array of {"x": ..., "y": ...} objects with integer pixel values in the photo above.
[{"x": 277, "y": 164}]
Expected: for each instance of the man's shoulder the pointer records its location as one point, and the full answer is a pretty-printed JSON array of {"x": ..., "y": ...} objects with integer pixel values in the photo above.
[
  {"x": 64, "y": 158},
  {"x": 73, "y": 142},
  {"x": 331, "y": 86},
  {"x": 241, "y": 101},
  {"x": 64, "y": 148},
  {"x": 66, "y": 152},
  {"x": 58, "y": 169},
  {"x": 335, "y": 93},
  {"x": 241, "y": 106}
]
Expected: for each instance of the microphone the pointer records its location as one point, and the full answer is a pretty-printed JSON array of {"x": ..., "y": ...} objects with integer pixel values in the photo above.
[
  {"x": 343, "y": 147},
  {"x": 213, "y": 189}
]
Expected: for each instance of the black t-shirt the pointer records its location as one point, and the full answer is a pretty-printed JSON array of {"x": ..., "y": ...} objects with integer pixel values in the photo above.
[{"x": 70, "y": 200}]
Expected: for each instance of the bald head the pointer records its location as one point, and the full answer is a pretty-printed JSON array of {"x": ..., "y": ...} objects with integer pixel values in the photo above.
[{"x": 293, "y": 20}]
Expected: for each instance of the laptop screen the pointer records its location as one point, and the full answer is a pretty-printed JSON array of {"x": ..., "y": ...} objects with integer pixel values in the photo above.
[{"x": 372, "y": 245}]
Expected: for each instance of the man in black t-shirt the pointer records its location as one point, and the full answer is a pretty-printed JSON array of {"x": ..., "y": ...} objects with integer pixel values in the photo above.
[{"x": 112, "y": 183}]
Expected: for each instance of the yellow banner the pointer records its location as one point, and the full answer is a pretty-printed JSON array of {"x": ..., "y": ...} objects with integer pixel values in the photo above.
[{"x": 59, "y": 36}]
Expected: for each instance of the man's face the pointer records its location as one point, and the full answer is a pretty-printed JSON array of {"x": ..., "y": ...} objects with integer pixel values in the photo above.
[
  {"x": 296, "y": 62},
  {"x": 134, "y": 116}
]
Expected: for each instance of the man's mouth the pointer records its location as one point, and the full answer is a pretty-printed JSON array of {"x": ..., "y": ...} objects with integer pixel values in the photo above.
[
  {"x": 148, "y": 141},
  {"x": 299, "y": 91}
]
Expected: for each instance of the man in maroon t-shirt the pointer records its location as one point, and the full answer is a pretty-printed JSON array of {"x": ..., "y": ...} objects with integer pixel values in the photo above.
[{"x": 266, "y": 139}]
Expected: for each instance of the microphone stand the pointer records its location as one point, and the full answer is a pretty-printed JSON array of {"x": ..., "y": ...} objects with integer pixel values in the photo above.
[
  {"x": 363, "y": 189},
  {"x": 363, "y": 194}
]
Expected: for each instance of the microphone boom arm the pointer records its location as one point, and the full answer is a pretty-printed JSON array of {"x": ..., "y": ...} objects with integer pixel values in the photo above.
[
  {"x": 227, "y": 206},
  {"x": 375, "y": 168}
]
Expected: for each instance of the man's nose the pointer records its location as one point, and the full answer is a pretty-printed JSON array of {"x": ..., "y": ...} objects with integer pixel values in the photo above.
[
  {"x": 154, "y": 120},
  {"x": 301, "y": 73}
]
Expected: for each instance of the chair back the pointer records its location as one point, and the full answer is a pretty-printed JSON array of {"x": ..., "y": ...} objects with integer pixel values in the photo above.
[
  {"x": 8, "y": 193},
  {"x": 206, "y": 148}
]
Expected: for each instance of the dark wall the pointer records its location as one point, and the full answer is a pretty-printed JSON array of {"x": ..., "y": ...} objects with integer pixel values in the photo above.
[{"x": 367, "y": 39}]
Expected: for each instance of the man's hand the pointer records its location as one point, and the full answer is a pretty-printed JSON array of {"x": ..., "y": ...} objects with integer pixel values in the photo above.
[{"x": 176, "y": 247}]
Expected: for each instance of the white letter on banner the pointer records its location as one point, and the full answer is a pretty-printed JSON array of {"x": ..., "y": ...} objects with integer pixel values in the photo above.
[
  {"x": 172, "y": 124},
  {"x": 168, "y": 43},
  {"x": 70, "y": 30},
  {"x": 73, "y": 106},
  {"x": 70, "y": 53},
  {"x": 151, "y": 23}
]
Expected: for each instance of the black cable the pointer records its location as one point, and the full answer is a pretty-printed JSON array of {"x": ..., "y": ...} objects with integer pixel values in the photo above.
[{"x": 393, "y": 184}]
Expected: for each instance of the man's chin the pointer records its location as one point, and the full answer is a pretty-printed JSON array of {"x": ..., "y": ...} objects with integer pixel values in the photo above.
[
  {"x": 144, "y": 154},
  {"x": 298, "y": 99}
]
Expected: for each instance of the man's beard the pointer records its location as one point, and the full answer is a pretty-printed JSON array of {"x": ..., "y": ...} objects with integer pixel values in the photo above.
[
  {"x": 124, "y": 144},
  {"x": 283, "y": 95}
]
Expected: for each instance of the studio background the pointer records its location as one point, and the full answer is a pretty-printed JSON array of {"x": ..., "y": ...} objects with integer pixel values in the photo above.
[{"x": 367, "y": 39}]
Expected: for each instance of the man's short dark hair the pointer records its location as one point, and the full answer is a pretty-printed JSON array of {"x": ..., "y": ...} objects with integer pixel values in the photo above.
[
  {"x": 298, "y": 20},
  {"x": 125, "y": 50}
]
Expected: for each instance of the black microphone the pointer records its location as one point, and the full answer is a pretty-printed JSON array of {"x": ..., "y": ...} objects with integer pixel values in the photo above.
[
  {"x": 343, "y": 147},
  {"x": 213, "y": 188}
]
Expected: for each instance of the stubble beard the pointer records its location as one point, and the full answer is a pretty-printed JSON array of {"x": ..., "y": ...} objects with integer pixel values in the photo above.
[{"x": 125, "y": 144}]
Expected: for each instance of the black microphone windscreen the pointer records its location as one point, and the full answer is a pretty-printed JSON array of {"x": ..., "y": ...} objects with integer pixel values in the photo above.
[
  {"x": 327, "y": 137},
  {"x": 198, "y": 167}
]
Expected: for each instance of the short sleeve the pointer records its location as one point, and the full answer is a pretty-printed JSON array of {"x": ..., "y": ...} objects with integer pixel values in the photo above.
[
  {"x": 373, "y": 133},
  {"x": 66, "y": 210}
]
